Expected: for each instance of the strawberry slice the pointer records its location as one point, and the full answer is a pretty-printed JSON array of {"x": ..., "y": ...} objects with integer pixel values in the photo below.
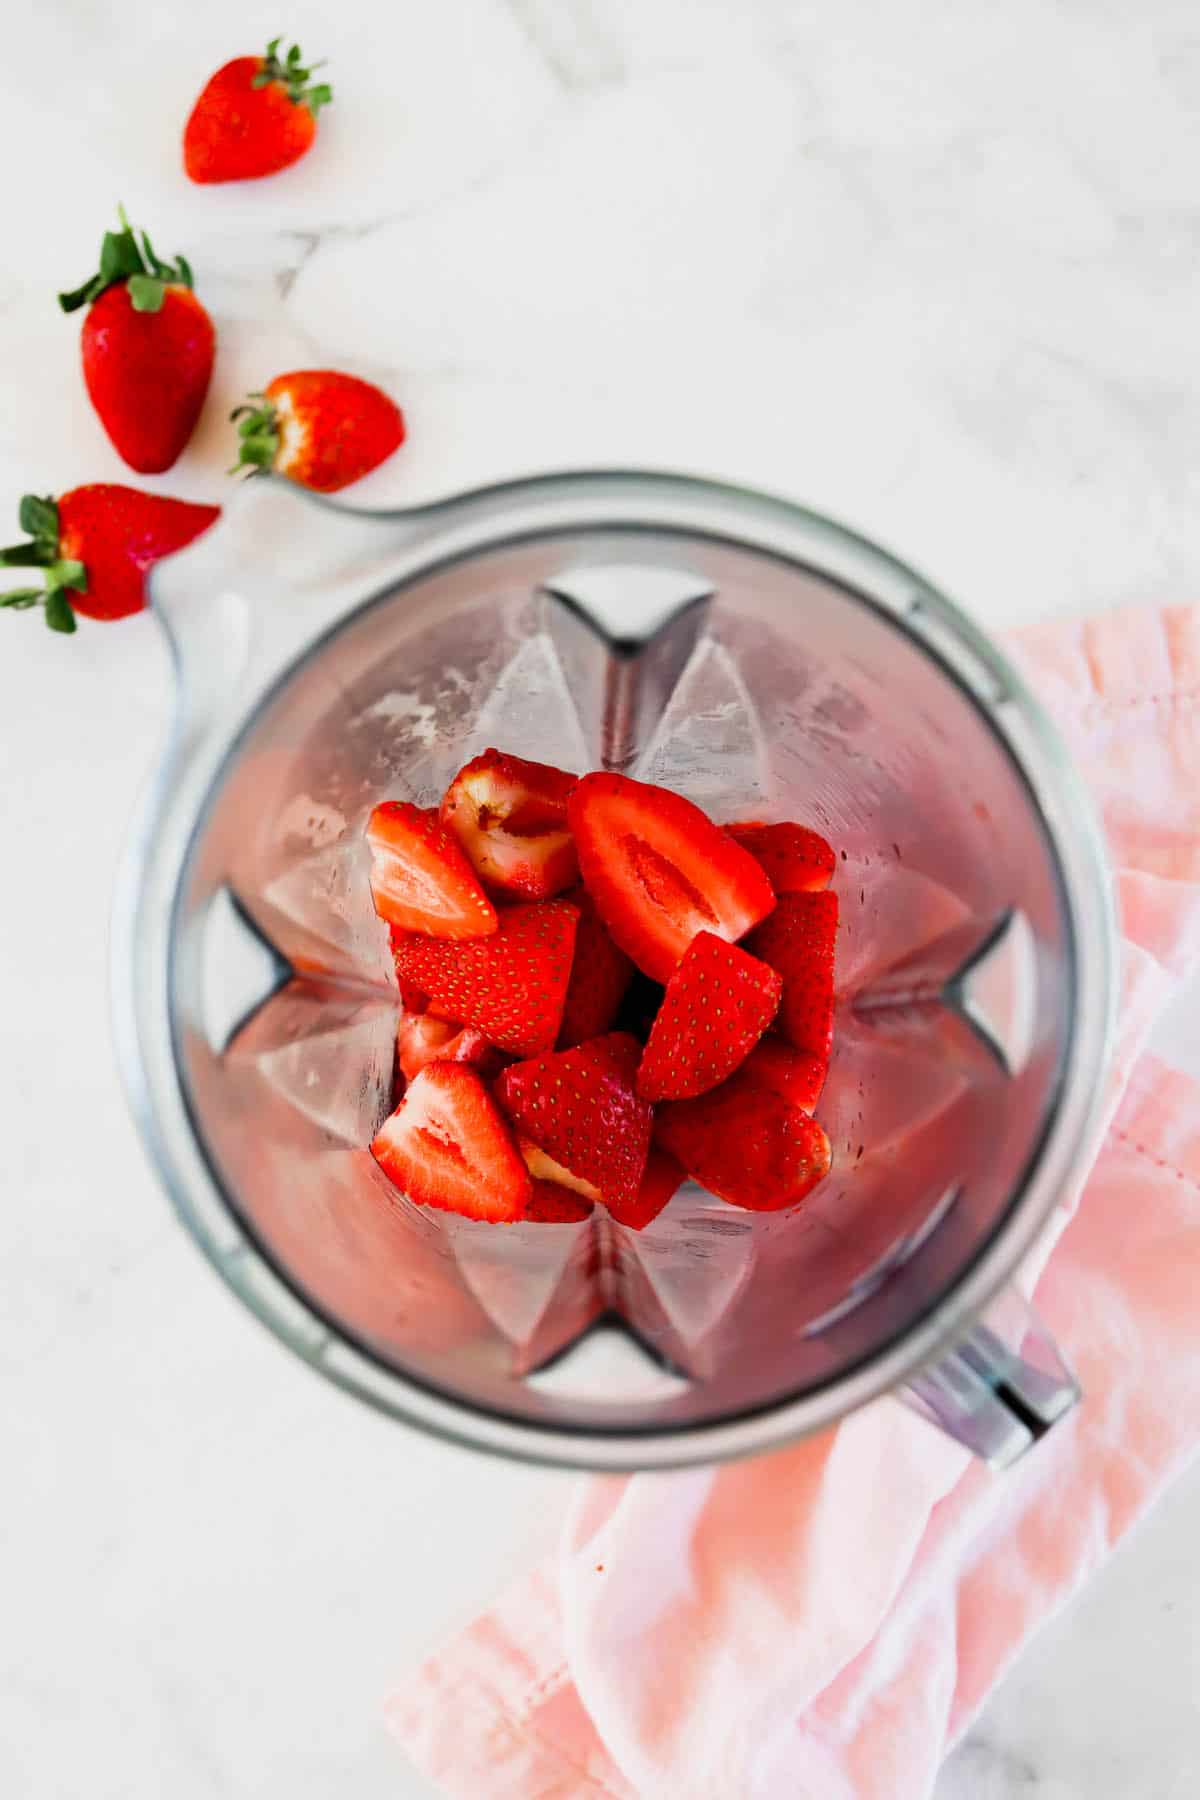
[
  {"x": 662, "y": 1177},
  {"x": 716, "y": 1006},
  {"x": 794, "y": 859},
  {"x": 510, "y": 816},
  {"x": 447, "y": 1145},
  {"x": 421, "y": 1040},
  {"x": 543, "y": 1168},
  {"x": 600, "y": 976},
  {"x": 510, "y": 986},
  {"x": 660, "y": 871},
  {"x": 579, "y": 1106},
  {"x": 796, "y": 1076},
  {"x": 746, "y": 1145},
  {"x": 798, "y": 940},
  {"x": 555, "y": 1205},
  {"x": 420, "y": 879}
]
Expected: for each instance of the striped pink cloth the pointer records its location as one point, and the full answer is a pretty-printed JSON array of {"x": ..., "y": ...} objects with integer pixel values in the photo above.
[{"x": 794, "y": 1625}]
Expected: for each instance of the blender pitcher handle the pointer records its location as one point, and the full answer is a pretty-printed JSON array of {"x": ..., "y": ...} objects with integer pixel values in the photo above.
[{"x": 1001, "y": 1388}]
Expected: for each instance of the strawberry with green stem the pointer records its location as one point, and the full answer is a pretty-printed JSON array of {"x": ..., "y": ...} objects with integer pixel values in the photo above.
[
  {"x": 255, "y": 116},
  {"x": 91, "y": 549},
  {"x": 319, "y": 427},
  {"x": 148, "y": 347}
]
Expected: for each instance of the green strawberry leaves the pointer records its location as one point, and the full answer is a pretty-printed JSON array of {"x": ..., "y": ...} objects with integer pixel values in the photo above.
[
  {"x": 258, "y": 434},
  {"x": 124, "y": 258},
  {"x": 39, "y": 517},
  {"x": 291, "y": 71}
]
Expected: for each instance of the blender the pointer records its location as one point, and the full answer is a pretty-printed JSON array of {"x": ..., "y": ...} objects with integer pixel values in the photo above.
[{"x": 766, "y": 663}]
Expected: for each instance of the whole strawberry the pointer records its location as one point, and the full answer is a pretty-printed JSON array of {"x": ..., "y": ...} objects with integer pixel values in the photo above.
[
  {"x": 318, "y": 427},
  {"x": 257, "y": 115},
  {"x": 148, "y": 347},
  {"x": 93, "y": 546}
]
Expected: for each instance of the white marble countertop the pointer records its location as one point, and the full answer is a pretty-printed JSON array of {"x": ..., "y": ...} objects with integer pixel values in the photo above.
[{"x": 933, "y": 269}]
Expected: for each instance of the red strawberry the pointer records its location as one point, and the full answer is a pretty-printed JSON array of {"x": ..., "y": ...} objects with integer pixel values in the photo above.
[
  {"x": 660, "y": 871},
  {"x": 579, "y": 1106},
  {"x": 794, "y": 859},
  {"x": 662, "y": 1177},
  {"x": 92, "y": 549},
  {"x": 510, "y": 816},
  {"x": 600, "y": 976},
  {"x": 318, "y": 427},
  {"x": 446, "y": 1145},
  {"x": 510, "y": 986},
  {"x": 716, "y": 1006},
  {"x": 256, "y": 115},
  {"x": 420, "y": 879},
  {"x": 421, "y": 1040},
  {"x": 798, "y": 940},
  {"x": 555, "y": 1205},
  {"x": 544, "y": 1169},
  {"x": 795, "y": 1075},
  {"x": 148, "y": 348},
  {"x": 746, "y": 1145}
]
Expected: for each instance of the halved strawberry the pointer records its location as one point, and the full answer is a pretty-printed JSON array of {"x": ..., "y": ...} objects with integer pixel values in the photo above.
[
  {"x": 798, "y": 940},
  {"x": 422, "y": 1039},
  {"x": 600, "y": 976},
  {"x": 510, "y": 816},
  {"x": 746, "y": 1145},
  {"x": 716, "y": 1006},
  {"x": 660, "y": 871},
  {"x": 794, "y": 859},
  {"x": 420, "y": 879},
  {"x": 662, "y": 1177},
  {"x": 579, "y": 1106},
  {"x": 447, "y": 1145},
  {"x": 510, "y": 986},
  {"x": 797, "y": 1076}
]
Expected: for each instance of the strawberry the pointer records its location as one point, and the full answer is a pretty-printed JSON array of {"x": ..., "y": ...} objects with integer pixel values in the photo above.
[
  {"x": 421, "y": 1040},
  {"x": 510, "y": 986},
  {"x": 600, "y": 975},
  {"x": 543, "y": 1168},
  {"x": 510, "y": 816},
  {"x": 255, "y": 116},
  {"x": 660, "y": 871},
  {"x": 794, "y": 859},
  {"x": 795, "y": 1075},
  {"x": 148, "y": 348},
  {"x": 579, "y": 1106},
  {"x": 93, "y": 546},
  {"x": 551, "y": 1204},
  {"x": 662, "y": 1177},
  {"x": 716, "y": 1006},
  {"x": 798, "y": 940},
  {"x": 420, "y": 879},
  {"x": 746, "y": 1145},
  {"x": 319, "y": 428},
  {"x": 446, "y": 1145}
]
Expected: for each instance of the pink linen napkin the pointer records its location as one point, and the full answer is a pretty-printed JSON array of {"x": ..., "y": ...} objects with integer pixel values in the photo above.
[{"x": 793, "y": 1625}]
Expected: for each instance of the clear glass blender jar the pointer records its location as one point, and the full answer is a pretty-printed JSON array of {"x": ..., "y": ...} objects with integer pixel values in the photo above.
[{"x": 766, "y": 662}]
